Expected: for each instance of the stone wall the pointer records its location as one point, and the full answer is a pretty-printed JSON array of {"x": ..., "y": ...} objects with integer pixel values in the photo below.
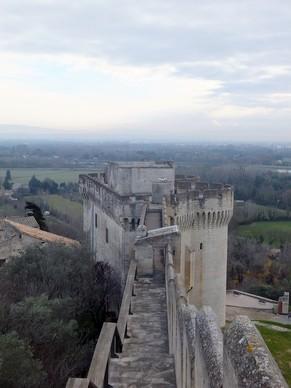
[
  {"x": 12, "y": 243},
  {"x": 108, "y": 240},
  {"x": 207, "y": 358},
  {"x": 109, "y": 222},
  {"x": 248, "y": 362}
]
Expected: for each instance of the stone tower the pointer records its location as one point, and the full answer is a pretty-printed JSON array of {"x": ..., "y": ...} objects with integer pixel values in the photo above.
[{"x": 202, "y": 213}]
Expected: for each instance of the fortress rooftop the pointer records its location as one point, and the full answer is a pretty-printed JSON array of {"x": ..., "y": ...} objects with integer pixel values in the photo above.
[{"x": 143, "y": 164}]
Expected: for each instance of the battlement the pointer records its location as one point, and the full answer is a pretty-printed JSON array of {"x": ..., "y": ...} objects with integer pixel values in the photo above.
[
  {"x": 205, "y": 191},
  {"x": 211, "y": 206}
]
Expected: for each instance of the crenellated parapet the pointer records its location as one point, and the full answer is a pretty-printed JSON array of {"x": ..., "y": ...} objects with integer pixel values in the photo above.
[
  {"x": 203, "y": 220},
  {"x": 208, "y": 207}
]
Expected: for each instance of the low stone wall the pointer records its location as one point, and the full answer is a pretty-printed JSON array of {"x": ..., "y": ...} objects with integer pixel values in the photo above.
[
  {"x": 195, "y": 339},
  {"x": 248, "y": 357}
]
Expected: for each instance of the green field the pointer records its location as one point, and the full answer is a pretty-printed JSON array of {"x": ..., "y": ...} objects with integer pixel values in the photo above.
[
  {"x": 59, "y": 175},
  {"x": 272, "y": 232},
  {"x": 247, "y": 212},
  {"x": 279, "y": 344},
  {"x": 60, "y": 204}
]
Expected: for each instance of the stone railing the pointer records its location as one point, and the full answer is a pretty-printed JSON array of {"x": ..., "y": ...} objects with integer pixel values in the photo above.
[
  {"x": 110, "y": 341},
  {"x": 194, "y": 338},
  {"x": 247, "y": 360},
  {"x": 204, "y": 357}
]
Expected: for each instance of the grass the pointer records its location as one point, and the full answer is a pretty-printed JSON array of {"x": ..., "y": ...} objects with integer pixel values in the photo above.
[
  {"x": 248, "y": 212},
  {"x": 63, "y": 205},
  {"x": 279, "y": 344},
  {"x": 60, "y": 204},
  {"x": 272, "y": 232},
  {"x": 57, "y": 203},
  {"x": 286, "y": 325},
  {"x": 59, "y": 175}
]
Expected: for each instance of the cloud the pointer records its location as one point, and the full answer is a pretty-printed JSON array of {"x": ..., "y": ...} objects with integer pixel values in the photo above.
[{"x": 108, "y": 64}]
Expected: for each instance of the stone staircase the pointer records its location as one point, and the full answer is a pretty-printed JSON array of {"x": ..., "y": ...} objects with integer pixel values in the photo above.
[{"x": 145, "y": 361}]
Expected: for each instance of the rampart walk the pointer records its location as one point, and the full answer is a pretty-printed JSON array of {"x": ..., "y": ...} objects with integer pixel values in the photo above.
[{"x": 160, "y": 339}]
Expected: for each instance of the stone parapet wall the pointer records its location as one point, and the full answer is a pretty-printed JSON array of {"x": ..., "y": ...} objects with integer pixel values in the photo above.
[
  {"x": 211, "y": 341},
  {"x": 249, "y": 358},
  {"x": 207, "y": 358},
  {"x": 195, "y": 339}
]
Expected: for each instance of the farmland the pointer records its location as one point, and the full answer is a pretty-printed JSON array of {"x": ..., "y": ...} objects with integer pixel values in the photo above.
[
  {"x": 60, "y": 205},
  {"x": 272, "y": 232},
  {"x": 59, "y": 175}
]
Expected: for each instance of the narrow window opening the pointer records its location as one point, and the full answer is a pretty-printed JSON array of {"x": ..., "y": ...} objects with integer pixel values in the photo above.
[
  {"x": 132, "y": 224},
  {"x": 96, "y": 220},
  {"x": 107, "y": 235},
  {"x": 201, "y": 245}
]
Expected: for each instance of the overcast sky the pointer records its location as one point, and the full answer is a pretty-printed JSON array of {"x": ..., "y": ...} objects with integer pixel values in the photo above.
[{"x": 183, "y": 69}]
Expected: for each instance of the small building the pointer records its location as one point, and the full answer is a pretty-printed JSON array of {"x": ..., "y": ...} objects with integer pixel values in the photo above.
[
  {"x": 18, "y": 233},
  {"x": 283, "y": 306}
]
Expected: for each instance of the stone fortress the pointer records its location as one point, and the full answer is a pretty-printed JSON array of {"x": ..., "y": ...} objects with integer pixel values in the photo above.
[{"x": 166, "y": 235}]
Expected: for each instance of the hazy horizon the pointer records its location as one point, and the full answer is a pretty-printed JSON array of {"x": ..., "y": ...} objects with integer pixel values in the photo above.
[
  {"x": 24, "y": 135},
  {"x": 146, "y": 71}
]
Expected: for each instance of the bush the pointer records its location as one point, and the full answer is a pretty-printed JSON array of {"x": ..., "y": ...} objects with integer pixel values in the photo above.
[
  {"x": 55, "y": 299},
  {"x": 18, "y": 368}
]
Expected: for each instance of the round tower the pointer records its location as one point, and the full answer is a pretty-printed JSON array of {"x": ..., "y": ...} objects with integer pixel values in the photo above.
[{"x": 203, "y": 216}]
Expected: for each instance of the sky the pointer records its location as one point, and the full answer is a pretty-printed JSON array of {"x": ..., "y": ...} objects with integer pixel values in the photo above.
[{"x": 189, "y": 70}]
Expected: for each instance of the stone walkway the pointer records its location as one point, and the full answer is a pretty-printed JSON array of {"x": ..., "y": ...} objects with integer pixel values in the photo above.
[
  {"x": 153, "y": 220},
  {"x": 145, "y": 362}
]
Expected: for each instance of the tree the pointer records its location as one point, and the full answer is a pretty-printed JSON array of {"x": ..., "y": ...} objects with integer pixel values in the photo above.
[
  {"x": 18, "y": 367},
  {"x": 56, "y": 299},
  {"x": 50, "y": 186},
  {"x": 34, "y": 185},
  {"x": 33, "y": 210},
  {"x": 7, "y": 184},
  {"x": 52, "y": 333}
]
